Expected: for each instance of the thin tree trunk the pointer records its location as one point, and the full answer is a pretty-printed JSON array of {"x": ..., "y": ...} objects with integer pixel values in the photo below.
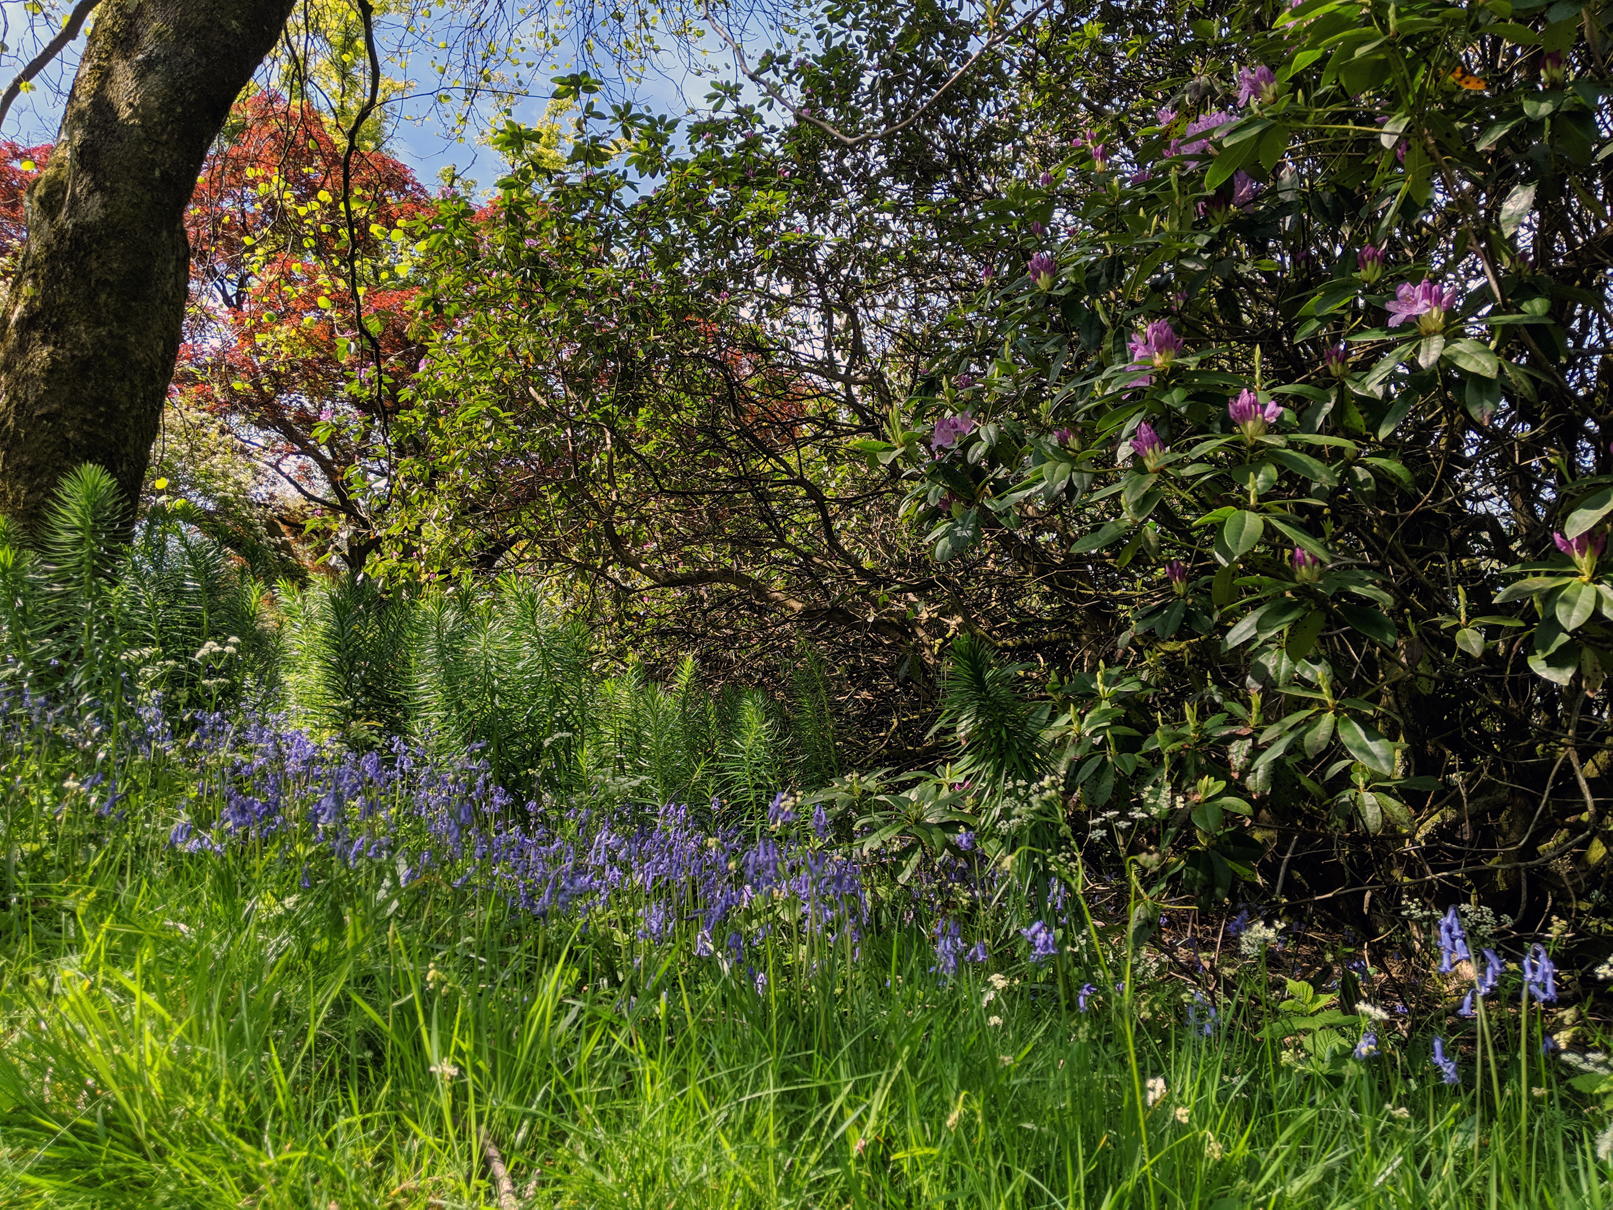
[{"x": 90, "y": 327}]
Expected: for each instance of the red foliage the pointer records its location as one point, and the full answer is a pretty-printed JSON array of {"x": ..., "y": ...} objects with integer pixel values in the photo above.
[{"x": 270, "y": 338}]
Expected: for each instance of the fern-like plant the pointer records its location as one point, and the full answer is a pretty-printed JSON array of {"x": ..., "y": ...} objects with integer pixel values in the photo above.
[{"x": 999, "y": 732}]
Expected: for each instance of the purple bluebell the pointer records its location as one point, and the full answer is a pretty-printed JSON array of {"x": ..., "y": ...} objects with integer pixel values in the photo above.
[
  {"x": 1452, "y": 941},
  {"x": 1044, "y": 944},
  {"x": 1539, "y": 976},
  {"x": 1447, "y": 1067}
]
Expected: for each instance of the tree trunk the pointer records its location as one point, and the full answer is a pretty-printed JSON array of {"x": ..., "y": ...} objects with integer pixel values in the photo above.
[{"x": 90, "y": 327}]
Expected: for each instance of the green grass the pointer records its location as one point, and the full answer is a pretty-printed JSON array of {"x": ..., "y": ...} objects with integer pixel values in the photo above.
[{"x": 188, "y": 1030}]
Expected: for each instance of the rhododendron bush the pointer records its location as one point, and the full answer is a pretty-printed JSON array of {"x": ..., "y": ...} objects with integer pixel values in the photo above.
[{"x": 1244, "y": 367}]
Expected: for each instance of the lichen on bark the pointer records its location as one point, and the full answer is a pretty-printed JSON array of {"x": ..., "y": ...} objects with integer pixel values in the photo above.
[{"x": 89, "y": 329}]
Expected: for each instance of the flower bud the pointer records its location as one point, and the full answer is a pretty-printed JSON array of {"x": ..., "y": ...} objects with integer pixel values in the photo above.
[
  {"x": 1176, "y": 573},
  {"x": 1307, "y": 567},
  {"x": 1337, "y": 360},
  {"x": 1042, "y": 270},
  {"x": 1147, "y": 446},
  {"x": 1369, "y": 261}
]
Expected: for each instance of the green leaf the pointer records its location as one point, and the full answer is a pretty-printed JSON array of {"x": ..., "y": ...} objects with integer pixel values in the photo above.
[
  {"x": 1366, "y": 745},
  {"x": 1429, "y": 350},
  {"x": 1516, "y": 208},
  {"x": 1279, "y": 614},
  {"x": 1529, "y": 587},
  {"x": 1304, "y": 464},
  {"x": 1222, "y": 589},
  {"x": 1229, "y": 161},
  {"x": 1588, "y": 512},
  {"x": 1575, "y": 605},
  {"x": 1241, "y": 531},
  {"x": 1393, "y": 468},
  {"x": 1103, "y": 537},
  {"x": 1319, "y": 735},
  {"x": 1272, "y": 145},
  {"x": 1470, "y": 641},
  {"x": 1247, "y": 625},
  {"x": 1302, "y": 635},
  {"x": 1473, "y": 356},
  {"x": 1370, "y": 622}
]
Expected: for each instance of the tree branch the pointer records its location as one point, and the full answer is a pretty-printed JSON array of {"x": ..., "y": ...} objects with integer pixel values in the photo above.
[{"x": 75, "y": 22}]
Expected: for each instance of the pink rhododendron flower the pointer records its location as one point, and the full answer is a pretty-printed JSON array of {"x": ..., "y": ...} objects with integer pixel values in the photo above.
[
  {"x": 949, "y": 428},
  {"x": 1426, "y": 303},
  {"x": 1257, "y": 84},
  {"x": 1251, "y": 417}
]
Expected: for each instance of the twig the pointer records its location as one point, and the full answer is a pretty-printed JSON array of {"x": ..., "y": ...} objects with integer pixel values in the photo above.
[
  {"x": 992, "y": 42},
  {"x": 501, "y": 1177},
  {"x": 75, "y": 22}
]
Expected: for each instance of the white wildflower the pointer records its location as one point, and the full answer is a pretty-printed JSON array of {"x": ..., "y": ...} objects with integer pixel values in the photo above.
[
  {"x": 1371, "y": 1011},
  {"x": 1256, "y": 938},
  {"x": 1155, "y": 1090},
  {"x": 443, "y": 1071},
  {"x": 1213, "y": 1150},
  {"x": 1592, "y": 1062},
  {"x": 1604, "y": 1145},
  {"x": 994, "y": 1021},
  {"x": 1182, "y": 1113}
]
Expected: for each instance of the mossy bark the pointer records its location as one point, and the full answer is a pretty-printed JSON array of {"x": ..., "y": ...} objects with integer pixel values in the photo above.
[{"x": 90, "y": 327}]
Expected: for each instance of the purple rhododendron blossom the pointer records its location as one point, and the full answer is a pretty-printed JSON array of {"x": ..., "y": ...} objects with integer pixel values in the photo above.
[
  {"x": 1155, "y": 347},
  {"x": 1176, "y": 573},
  {"x": 949, "y": 428},
  {"x": 1337, "y": 360},
  {"x": 1426, "y": 303},
  {"x": 1189, "y": 144},
  {"x": 1250, "y": 415},
  {"x": 1257, "y": 84},
  {"x": 1147, "y": 446},
  {"x": 1577, "y": 548},
  {"x": 1042, "y": 270},
  {"x": 1244, "y": 189}
]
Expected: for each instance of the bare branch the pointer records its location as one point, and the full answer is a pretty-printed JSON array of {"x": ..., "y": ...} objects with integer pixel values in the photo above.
[
  {"x": 994, "y": 41},
  {"x": 75, "y": 22}
]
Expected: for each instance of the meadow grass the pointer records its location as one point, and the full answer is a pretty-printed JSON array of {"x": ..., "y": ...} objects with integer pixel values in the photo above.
[{"x": 189, "y": 1030}]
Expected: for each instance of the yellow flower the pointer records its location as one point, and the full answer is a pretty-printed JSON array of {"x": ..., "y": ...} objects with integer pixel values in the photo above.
[{"x": 160, "y": 484}]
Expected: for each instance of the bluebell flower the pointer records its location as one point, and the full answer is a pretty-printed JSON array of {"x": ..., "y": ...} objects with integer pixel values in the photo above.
[
  {"x": 1447, "y": 1067},
  {"x": 1452, "y": 941},
  {"x": 1201, "y": 1015},
  {"x": 1367, "y": 1047},
  {"x": 1043, "y": 943},
  {"x": 948, "y": 946},
  {"x": 1087, "y": 991},
  {"x": 1466, "y": 1009},
  {"x": 1493, "y": 966},
  {"x": 1539, "y": 976},
  {"x": 977, "y": 953}
]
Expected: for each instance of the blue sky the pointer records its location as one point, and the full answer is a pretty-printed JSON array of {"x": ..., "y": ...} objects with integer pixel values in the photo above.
[{"x": 419, "y": 139}]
